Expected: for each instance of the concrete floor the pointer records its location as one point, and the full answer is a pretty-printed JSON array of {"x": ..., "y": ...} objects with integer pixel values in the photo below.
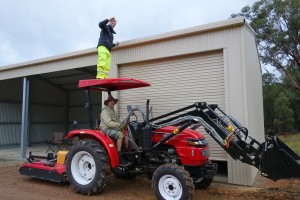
[{"x": 13, "y": 156}]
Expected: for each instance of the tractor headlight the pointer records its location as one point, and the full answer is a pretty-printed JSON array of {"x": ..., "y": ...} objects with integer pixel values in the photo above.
[{"x": 197, "y": 142}]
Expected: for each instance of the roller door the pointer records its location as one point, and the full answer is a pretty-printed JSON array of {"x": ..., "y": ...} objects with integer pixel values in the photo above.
[{"x": 175, "y": 83}]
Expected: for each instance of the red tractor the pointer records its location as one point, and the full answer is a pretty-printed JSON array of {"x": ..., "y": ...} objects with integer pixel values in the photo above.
[{"x": 167, "y": 149}]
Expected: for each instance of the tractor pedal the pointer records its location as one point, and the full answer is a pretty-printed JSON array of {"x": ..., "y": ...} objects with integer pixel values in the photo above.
[{"x": 125, "y": 164}]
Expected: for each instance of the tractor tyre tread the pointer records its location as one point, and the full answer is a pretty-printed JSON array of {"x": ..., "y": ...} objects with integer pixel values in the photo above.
[
  {"x": 180, "y": 173},
  {"x": 102, "y": 176}
]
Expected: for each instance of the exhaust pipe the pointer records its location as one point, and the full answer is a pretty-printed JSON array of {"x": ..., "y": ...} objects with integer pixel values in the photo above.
[{"x": 147, "y": 138}]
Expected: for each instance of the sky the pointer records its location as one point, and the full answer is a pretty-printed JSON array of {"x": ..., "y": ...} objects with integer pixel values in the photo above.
[{"x": 34, "y": 29}]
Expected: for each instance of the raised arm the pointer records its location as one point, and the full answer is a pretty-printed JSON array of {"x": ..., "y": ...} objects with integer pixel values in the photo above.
[{"x": 103, "y": 23}]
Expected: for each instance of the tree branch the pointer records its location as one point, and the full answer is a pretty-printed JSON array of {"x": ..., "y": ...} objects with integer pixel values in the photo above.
[{"x": 290, "y": 77}]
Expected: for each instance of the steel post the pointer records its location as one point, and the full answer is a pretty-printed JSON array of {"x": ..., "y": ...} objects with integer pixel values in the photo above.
[{"x": 25, "y": 116}]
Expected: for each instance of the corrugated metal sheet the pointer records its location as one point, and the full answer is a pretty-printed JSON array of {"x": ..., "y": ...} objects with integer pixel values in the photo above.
[
  {"x": 176, "y": 83},
  {"x": 80, "y": 114},
  {"x": 232, "y": 41},
  {"x": 76, "y": 98},
  {"x": 207, "y": 41},
  {"x": 88, "y": 57},
  {"x": 10, "y": 111},
  {"x": 47, "y": 113},
  {"x": 11, "y": 89},
  {"x": 244, "y": 94},
  {"x": 52, "y": 64},
  {"x": 43, "y": 132},
  {"x": 10, "y": 134},
  {"x": 47, "y": 110},
  {"x": 42, "y": 92}
]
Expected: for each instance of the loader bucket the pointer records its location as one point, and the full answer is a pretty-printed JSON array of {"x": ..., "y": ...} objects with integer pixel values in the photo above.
[{"x": 278, "y": 160}]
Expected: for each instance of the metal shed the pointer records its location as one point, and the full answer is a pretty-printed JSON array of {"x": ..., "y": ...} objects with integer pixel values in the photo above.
[{"x": 218, "y": 63}]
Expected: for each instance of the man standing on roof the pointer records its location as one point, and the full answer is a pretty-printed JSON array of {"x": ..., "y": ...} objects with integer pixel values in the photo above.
[
  {"x": 105, "y": 44},
  {"x": 111, "y": 125}
]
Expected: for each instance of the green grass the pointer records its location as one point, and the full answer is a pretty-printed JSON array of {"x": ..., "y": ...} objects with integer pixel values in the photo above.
[{"x": 292, "y": 141}]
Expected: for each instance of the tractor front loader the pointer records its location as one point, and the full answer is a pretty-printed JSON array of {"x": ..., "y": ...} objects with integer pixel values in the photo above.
[{"x": 273, "y": 158}]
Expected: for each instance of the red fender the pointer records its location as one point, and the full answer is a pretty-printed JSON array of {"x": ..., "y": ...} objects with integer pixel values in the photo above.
[{"x": 105, "y": 140}]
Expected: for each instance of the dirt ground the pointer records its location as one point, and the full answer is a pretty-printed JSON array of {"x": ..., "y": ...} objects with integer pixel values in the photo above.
[{"x": 15, "y": 187}]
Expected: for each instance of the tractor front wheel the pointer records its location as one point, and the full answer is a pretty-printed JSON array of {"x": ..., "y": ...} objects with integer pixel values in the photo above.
[
  {"x": 88, "y": 168},
  {"x": 171, "y": 181},
  {"x": 203, "y": 183}
]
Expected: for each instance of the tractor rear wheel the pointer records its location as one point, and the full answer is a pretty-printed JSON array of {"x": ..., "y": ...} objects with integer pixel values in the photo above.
[
  {"x": 171, "y": 181},
  {"x": 88, "y": 168}
]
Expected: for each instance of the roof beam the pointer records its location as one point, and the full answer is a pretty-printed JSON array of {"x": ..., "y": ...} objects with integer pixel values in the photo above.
[{"x": 45, "y": 80}]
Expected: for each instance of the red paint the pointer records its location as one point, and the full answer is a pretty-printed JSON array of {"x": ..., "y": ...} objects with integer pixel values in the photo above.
[
  {"x": 112, "y": 84},
  {"x": 60, "y": 168},
  {"x": 105, "y": 140},
  {"x": 189, "y": 155}
]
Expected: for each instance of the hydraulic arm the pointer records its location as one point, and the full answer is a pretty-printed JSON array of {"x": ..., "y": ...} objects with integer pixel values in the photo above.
[{"x": 273, "y": 158}]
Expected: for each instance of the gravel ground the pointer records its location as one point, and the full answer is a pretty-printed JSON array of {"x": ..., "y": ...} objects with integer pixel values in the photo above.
[{"x": 13, "y": 186}]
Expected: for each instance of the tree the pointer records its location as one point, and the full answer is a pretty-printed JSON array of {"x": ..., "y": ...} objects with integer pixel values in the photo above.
[
  {"x": 283, "y": 118},
  {"x": 294, "y": 100},
  {"x": 277, "y": 25},
  {"x": 271, "y": 90}
]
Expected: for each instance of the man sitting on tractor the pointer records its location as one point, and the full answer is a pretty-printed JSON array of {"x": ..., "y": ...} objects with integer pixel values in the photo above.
[{"x": 111, "y": 125}]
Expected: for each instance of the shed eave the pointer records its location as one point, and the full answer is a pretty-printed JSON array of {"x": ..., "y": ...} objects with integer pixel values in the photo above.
[
  {"x": 155, "y": 38},
  {"x": 49, "y": 59},
  {"x": 239, "y": 21}
]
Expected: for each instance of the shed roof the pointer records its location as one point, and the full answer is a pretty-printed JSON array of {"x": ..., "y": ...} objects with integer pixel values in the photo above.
[
  {"x": 140, "y": 41},
  {"x": 63, "y": 71}
]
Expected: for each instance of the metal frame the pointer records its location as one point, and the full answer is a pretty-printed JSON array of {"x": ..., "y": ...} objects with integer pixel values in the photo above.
[
  {"x": 275, "y": 159},
  {"x": 25, "y": 117}
]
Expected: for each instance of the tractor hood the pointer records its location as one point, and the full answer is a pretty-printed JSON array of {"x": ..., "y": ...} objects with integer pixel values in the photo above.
[{"x": 187, "y": 133}]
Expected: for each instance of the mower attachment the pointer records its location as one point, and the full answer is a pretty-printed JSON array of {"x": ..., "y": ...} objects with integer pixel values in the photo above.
[
  {"x": 48, "y": 169},
  {"x": 43, "y": 171}
]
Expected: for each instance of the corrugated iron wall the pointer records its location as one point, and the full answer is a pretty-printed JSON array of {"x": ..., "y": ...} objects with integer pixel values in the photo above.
[
  {"x": 77, "y": 110},
  {"x": 47, "y": 111},
  {"x": 58, "y": 63},
  {"x": 50, "y": 110},
  {"x": 178, "y": 82},
  {"x": 232, "y": 40},
  {"x": 10, "y": 112}
]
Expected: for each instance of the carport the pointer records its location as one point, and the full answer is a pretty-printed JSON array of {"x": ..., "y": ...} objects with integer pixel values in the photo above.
[{"x": 44, "y": 103}]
